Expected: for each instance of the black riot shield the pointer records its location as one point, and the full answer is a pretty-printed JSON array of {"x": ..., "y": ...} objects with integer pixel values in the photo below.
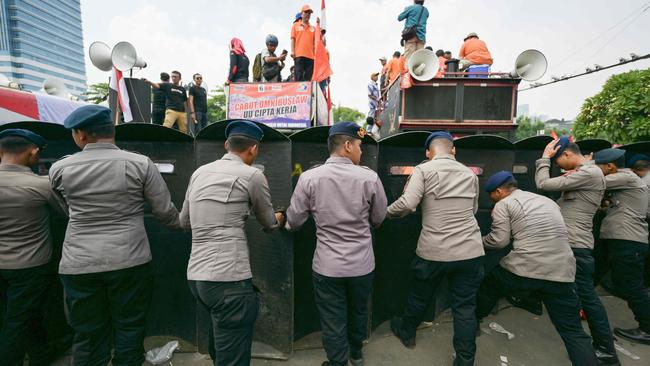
[
  {"x": 396, "y": 240},
  {"x": 527, "y": 151},
  {"x": 308, "y": 150},
  {"x": 173, "y": 308},
  {"x": 271, "y": 255},
  {"x": 59, "y": 144},
  {"x": 592, "y": 145}
]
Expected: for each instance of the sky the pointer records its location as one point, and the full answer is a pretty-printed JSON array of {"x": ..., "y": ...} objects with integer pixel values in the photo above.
[{"x": 193, "y": 36}]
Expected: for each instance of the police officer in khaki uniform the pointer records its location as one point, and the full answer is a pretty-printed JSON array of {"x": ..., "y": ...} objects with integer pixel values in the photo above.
[
  {"x": 219, "y": 198},
  {"x": 449, "y": 246},
  {"x": 625, "y": 233},
  {"x": 26, "y": 271},
  {"x": 105, "y": 263},
  {"x": 345, "y": 200},
  {"x": 541, "y": 261},
  {"x": 582, "y": 187},
  {"x": 640, "y": 165}
]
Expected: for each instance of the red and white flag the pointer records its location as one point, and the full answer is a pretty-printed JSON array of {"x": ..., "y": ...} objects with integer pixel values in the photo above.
[
  {"x": 323, "y": 18},
  {"x": 118, "y": 84}
]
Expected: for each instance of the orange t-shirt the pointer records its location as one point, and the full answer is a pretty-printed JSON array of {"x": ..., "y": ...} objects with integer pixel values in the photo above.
[
  {"x": 394, "y": 68},
  {"x": 442, "y": 67},
  {"x": 305, "y": 37},
  {"x": 476, "y": 52}
]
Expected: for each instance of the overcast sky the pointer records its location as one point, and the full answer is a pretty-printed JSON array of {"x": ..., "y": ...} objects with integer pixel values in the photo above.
[{"x": 193, "y": 35}]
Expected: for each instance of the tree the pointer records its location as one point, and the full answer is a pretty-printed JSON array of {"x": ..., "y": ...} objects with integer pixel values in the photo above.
[
  {"x": 347, "y": 114},
  {"x": 620, "y": 112},
  {"x": 97, "y": 93},
  {"x": 528, "y": 127},
  {"x": 217, "y": 105}
]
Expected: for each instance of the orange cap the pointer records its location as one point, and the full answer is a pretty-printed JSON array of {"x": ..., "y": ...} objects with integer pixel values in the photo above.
[{"x": 306, "y": 8}]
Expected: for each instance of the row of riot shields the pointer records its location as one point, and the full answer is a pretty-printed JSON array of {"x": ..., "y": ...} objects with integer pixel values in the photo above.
[{"x": 281, "y": 262}]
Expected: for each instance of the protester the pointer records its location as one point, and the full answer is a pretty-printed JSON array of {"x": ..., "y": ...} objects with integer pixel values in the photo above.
[
  {"x": 292, "y": 75},
  {"x": 272, "y": 65},
  {"x": 373, "y": 103},
  {"x": 198, "y": 103},
  {"x": 442, "y": 67},
  {"x": 176, "y": 98},
  {"x": 159, "y": 101},
  {"x": 474, "y": 52},
  {"x": 303, "y": 44},
  {"x": 448, "y": 55},
  {"x": 393, "y": 68},
  {"x": 382, "y": 74},
  {"x": 238, "y": 62},
  {"x": 415, "y": 27}
]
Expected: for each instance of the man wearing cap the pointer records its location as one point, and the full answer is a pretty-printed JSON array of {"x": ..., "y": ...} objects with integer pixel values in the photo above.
[
  {"x": 473, "y": 52},
  {"x": 541, "y": 261},
  {"x": 449, "y": 245},
  {"x": 219, "y": 198},
  {"x": 624, "y": 232},
  {"x": 383, "y": 74},
  {"x": 345, "y": 199},
  {"x": 582, "y": 187},
  {"x": 26, "y": 270},
  {"x": 105, "y": 262},
  {"x": 373, "y": 103},
  {"x": 303, "y": 45}
]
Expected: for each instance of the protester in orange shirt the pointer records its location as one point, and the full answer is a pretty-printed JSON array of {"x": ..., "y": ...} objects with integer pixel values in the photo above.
[
  {"x": 474, "y": 52},
  {"x": 303, "y": 43},
  {"x": 442, "y": 67},
  {"x": 393, "y": 68}
]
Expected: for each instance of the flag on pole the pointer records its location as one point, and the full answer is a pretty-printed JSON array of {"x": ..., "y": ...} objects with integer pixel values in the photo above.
[
  {"x": 322, "y": 68},
  {"x": 323, "y": 23},
  {"x": 118, "y": 84}
]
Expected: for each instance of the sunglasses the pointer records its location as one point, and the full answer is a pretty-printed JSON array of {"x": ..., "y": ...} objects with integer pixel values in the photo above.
[{"x": 199, "y": 78}]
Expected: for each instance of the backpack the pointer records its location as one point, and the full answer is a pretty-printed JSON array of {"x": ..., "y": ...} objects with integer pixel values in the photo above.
[
  {"x": 270, "y": 70},
  {"x": 257, "y": 68}
]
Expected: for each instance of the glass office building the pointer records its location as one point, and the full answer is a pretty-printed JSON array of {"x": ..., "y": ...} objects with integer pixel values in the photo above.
[{"x": 41, "y": 40}]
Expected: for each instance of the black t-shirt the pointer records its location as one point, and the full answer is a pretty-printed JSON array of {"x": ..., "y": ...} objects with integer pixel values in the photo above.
[
  {"x": 200, "y": 98},
  {"x": 176, "y": 96},
  {"x": 159, "y": 99}
]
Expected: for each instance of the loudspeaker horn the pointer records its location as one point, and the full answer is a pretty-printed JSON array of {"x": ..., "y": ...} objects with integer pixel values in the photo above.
[
  {"x": 423, "y": 65},
  {"x": 125, "y": 57},
  {"x": 530, "y": 65},
  {"x": 55, "y": 87},
  {"x": 100, "y": 55}
]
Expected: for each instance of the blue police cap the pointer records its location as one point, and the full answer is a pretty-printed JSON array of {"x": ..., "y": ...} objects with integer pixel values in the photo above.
[
  {"x": 88, "y": 116},
  {"x": 562, "y": 143},
  {"x": 437, "y": 135},
  {"x": 245, "y": 128},
  {"x": 34, "y": 138},
  {"x": 497, "y": 180},
  {"x": 348, "y": 129},
  {"x": 608, "y": 155},
  {"x": 636, "y": 158}
]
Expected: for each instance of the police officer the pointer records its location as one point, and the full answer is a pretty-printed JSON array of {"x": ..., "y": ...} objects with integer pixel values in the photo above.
[
  {"x": 219, "y": 198},
  {"x": 105, "y": 263},
  {"x": 449, "y": 245},
  {"x": 640, "y": 165},
  {"x": 26, "y": 271},
  {"x": 541, "y": 261},
  {"x": 624, "y": 231},
  {"x": 582, "y": 187},
  {"x": 344, "y": 199}
]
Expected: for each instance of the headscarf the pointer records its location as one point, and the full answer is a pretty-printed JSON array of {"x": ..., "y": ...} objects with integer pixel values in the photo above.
[{"x": 237, "y": 47}]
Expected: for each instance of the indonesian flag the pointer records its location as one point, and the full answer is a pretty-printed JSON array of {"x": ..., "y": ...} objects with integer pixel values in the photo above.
[
  {"x": 118, "y": 84},
  {"x": 322, "y": 68},
  {"x": 323, "y": 18}
]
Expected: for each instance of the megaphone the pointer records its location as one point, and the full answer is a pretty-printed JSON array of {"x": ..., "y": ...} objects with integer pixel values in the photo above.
[
  {"x": 423, "y": 65},
  {"x": 530, "y": 65},
  {"x": 100, "y": 56},
  {"x": 125, "y": 57},
  {"x": 55, "y": 87}
]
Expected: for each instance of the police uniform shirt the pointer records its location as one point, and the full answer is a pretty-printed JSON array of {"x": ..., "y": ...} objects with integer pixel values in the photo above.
[
  {"x": 26, "y": 201},
  {"x": 448, "y": 193},
  {"x": 540, "y": 244},
  {"x": 219, "y": 198},
  {"x": 344, "y": 199},
  {"x": 105, "y": 189},
  {"x": 582, "y": 192},
  {"x": 646, "y": 180},
  {"x": 628, "y": 206}
]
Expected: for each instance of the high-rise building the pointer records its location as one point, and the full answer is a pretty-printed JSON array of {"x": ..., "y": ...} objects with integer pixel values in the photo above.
[{"x": 41, "y": 40}]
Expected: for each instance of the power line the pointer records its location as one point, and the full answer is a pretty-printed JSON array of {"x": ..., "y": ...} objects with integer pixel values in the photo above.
[{"x": 620, "y": 63}]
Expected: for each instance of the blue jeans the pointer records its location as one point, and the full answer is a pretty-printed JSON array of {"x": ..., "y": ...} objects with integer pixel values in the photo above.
[{"x": 201, "y": 121}]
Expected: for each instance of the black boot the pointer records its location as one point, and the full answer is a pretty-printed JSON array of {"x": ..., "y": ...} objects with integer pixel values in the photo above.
[
  {"x": 607, "y": 356},
  {"x": 635, "y": 335},
  {"x": 396, "y": 325},
  {"x": 356, "y": 357}
]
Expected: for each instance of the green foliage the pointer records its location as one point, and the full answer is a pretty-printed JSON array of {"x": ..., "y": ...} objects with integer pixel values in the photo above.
[
  {"x": 347, "y": 114},
  {"x": 97, "y": 93},
  {"x": 620, "y": 112},
  {"x": 528, "y": 127},
  {"x": 217, "y": 105}
]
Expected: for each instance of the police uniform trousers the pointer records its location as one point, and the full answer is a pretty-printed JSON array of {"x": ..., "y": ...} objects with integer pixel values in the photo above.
[
  {"x": 561, "y": 303},
  {"x": 590, "y": 302},
  {"x": 464, "y": 279},
  {"x": 342, "y": 303},
  {"x": 24, "y": 293},
  {"x": 626, "y": 260},
  {"x": 233, "y": 308},
  {"x": 108, "y": 310}
]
